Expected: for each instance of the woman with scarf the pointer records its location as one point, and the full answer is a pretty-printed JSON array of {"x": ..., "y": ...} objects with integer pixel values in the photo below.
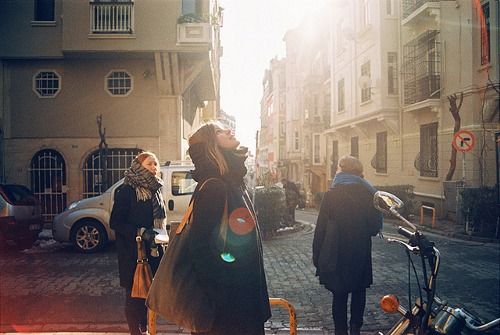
[
  {"x": 342, "y": 245},
  {"x": 138, "y": 203},
  {"x": 230, "y": 267}
]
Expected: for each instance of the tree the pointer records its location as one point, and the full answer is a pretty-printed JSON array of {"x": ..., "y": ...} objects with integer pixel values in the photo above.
[{"x": 455, "y": 112}]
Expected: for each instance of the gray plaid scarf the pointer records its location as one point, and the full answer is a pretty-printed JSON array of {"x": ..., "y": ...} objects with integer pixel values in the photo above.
[{"x": 147, "y": 186}]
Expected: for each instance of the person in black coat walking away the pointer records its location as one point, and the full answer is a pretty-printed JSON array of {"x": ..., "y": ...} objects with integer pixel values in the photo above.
[
  {"x": 342, "y": 242},
  {"x": 229, "y": 264},
  {"x": 138, "y": 203}
]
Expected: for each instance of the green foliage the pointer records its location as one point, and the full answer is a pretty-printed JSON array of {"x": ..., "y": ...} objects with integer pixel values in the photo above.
[
  {"x": 480, "y": 209},
  {"x": 193, "y": 18},
  {"x": 403, "y": 192},
  {"x": 270, "y": 207},
  {"x": 267, "y": 179}
]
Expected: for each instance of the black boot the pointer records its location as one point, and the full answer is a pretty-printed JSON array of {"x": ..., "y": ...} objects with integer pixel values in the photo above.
[{"x": 355, "y": 330}]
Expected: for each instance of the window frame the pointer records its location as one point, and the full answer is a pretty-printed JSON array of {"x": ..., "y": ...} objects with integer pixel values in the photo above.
[
  {"x": 341, "y": 95},
  {"x": 429, "y": 150},
  {"x": 355, "y": 146},
  {"x": 316, "y": 146},
  {"x": 366, "y": 92},
  {"x": 36, "y": 12},
  {"x": 392, "y": 73},
  {"x": 36, "y": 80},
  {"x": 107, "y": 87},
  {"x": 381, "y": 152}
]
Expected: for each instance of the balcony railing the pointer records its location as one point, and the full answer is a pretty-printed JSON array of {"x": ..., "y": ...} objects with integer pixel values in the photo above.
[
  {"x": 112, "y": 17},
  {"x": 422, "y": 68},
  {"x": 409, "y": 6}
]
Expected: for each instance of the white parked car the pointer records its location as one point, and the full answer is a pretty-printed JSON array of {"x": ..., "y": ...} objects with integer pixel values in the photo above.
[{"x": 85, "y": 223}]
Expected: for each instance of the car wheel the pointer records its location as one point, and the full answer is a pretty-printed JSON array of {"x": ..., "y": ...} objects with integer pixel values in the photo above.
[{"x": 88, "y": 236}]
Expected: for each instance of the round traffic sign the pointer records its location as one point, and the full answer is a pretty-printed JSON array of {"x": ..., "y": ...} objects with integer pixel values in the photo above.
[{"x": 464, "y": 140}]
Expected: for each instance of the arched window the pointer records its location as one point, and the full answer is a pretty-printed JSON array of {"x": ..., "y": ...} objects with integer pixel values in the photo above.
[
  {"x": 48, "y": 182},
  {"x": 117, "y": 161}
]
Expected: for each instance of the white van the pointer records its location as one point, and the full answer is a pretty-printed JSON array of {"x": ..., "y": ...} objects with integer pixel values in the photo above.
[{"x": 85, "y": 223}]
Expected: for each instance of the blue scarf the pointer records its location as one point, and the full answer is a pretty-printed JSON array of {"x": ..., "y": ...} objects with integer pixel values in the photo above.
[{"x": 349, "y": 178}]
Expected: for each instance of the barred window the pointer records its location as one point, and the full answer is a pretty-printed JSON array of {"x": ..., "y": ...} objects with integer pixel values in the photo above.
[
  {"x": 341, "y": 95},
  {"x": 428, "y": 150},
  {"x": 47, "y": 84},
  {"x": 366, "y": 90},
  {"x": 392, "y": 73},
  {"x": 119, "y": 83},
  {"x": 355, "y": 146},
  {"x": 379, "y": 161}
]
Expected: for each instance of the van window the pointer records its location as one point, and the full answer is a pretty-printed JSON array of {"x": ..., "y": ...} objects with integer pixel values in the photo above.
[
  {"x": 183, "y": 183},
  {"x": 18, "y": 195}
]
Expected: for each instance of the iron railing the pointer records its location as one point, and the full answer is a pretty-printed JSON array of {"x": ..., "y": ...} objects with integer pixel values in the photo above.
[
  {"x": 409, "y": 6},
  {"x": 422, "y": 68},
  {"x": 111, "y": 17}
]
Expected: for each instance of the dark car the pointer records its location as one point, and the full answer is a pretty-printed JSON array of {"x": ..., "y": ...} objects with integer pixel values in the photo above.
[{"x": 20, "y": 216}]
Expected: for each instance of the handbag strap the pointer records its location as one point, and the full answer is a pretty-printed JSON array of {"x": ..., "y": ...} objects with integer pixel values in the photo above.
[
  {"x": 141, "y": 252},
  {"x": 189, "y": 211}
]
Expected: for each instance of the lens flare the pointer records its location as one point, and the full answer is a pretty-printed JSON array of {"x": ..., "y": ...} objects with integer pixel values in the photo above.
[{"x": 227, "y": 257}]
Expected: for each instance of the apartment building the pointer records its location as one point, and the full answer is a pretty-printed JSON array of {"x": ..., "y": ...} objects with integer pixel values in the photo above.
[
  {"x": 308, "y": 103},
  {"x": 271, "y": 148},
  {"x": 86, "y": 85},
  {"x": 397, "y": 68},
  {"x": 449, "y": 62},
  {"x": 365, "y": 88}
]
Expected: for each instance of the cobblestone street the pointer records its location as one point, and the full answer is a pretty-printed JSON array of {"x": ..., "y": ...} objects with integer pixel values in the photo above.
[{"x": 66, "y": 290}]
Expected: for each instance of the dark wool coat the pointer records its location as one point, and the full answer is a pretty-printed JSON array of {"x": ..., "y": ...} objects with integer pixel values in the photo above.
[
  {"x": 342, "y": 240},
  {"x": 238, "y": 288},
  {"x": 126, "y": 217}
]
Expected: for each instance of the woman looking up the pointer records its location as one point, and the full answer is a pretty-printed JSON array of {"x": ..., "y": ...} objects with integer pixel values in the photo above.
[{"x": 228, "y": 262}]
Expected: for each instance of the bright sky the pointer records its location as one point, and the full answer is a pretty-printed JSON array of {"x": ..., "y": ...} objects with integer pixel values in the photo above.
[{"x": 252, "y": 35}]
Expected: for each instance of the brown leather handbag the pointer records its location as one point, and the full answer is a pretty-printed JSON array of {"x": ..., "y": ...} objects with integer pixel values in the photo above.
[{"x": 143, "y": 276}]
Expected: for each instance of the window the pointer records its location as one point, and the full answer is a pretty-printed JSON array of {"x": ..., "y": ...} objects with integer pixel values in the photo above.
[
  {"x": 379, "y": 161},
  {"x": 316, "y": 149},
  {"x": 355, "y": 146},
  {"x": 47, "y": 84},
  {"x": 340, "y": 95},
  {"x": 191, "y": 7},
  {"x": 389, "y": 7},
  {"x": 44, "y": 10},
  {"x": 365, "y": 14},
  {"x": 428, "y": 150},
  {"x": 182, "y": 183},
  {"x": 392, "y": 73},
  {"x": 334, "y": 158},
  {"x": 117, "y": 160},
  {"x": 366, "y": 90},
  {"x": 111, "y": 16},
  {"x": 119, "y": 83},
  {"x": 485, "y": 34},
  {"x": 296, "y": 141}
]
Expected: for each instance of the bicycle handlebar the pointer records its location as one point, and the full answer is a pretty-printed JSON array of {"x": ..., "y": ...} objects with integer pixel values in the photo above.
[{"x": 405, "y": 232}]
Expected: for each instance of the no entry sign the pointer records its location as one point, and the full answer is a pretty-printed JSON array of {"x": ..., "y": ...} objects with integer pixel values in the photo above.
[{"x": 464, "y": 141}]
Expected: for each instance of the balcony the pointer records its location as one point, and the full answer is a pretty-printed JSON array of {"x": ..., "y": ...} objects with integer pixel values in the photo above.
[
  {"x": 111, "y": 17},
  {"x": 194, "y": 29},
  {"x": 413, "y": 8},
  {"x": 422, "y": 68}
]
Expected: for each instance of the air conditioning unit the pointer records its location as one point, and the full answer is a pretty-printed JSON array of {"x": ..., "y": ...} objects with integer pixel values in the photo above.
[{"x": 193, "y": 33}]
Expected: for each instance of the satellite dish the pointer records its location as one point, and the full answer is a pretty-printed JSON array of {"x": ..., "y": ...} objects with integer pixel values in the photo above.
[{"x": 364, "y": 82}]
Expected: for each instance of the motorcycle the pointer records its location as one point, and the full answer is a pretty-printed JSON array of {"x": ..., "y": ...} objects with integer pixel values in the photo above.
[{"x": 429, "y": 314}]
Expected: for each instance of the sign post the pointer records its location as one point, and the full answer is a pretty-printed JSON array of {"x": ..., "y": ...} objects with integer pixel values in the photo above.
[{"x": 463, "y": 141}]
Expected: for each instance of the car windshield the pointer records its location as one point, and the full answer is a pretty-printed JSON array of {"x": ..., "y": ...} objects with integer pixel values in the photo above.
[{"x": 18, "y": 195}]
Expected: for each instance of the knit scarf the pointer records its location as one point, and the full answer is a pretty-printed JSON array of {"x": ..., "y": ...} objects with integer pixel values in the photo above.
[
  {"x": 349, "y": 178},
  {"x": 147, "y": 186}
]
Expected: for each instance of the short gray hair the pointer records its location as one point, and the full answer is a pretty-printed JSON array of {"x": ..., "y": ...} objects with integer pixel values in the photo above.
[{"x": 350, "y": 164}]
